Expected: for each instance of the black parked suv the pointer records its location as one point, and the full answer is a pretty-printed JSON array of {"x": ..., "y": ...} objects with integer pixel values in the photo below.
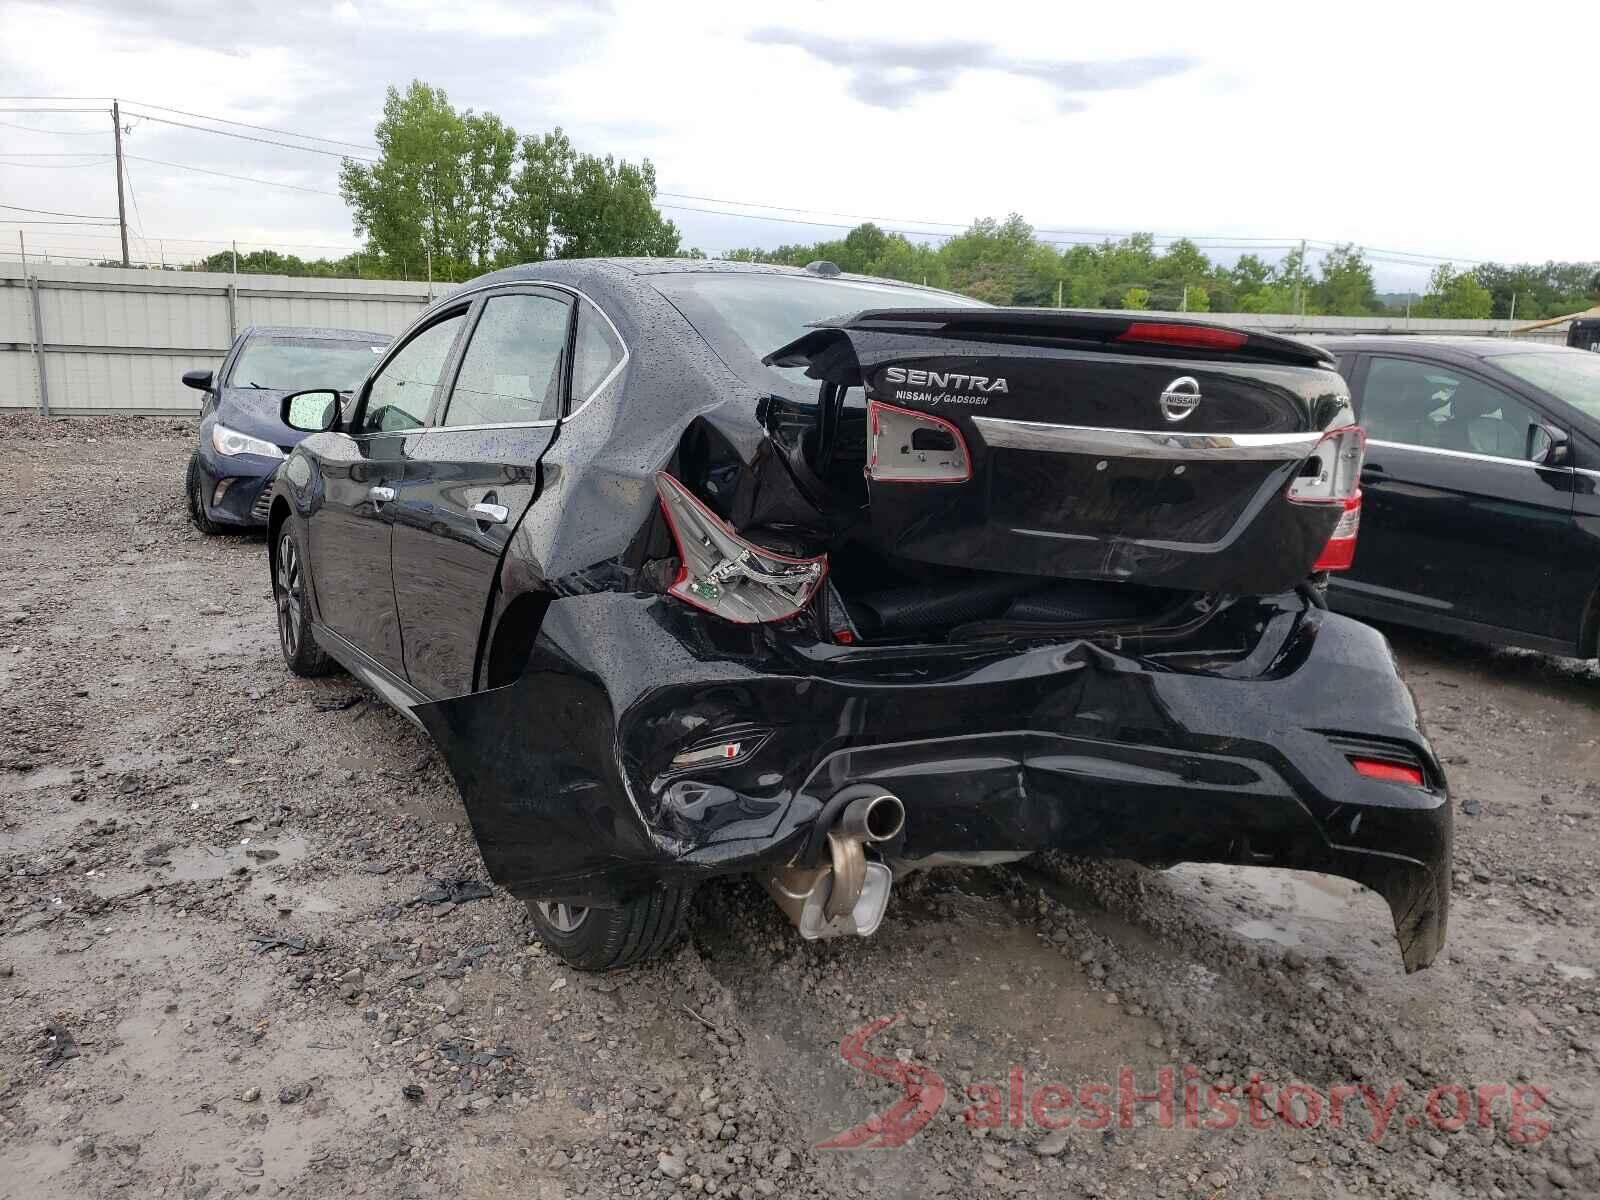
[
  {"x": 695, "y": 568},
  {"x": 1479, "y": 489}
]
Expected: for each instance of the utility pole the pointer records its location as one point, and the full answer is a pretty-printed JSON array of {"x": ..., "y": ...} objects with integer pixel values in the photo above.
[
  {"x": 122, "y": 212},
  {"x": 1299, "y": 270},
  {"x": 236, "y": 264},
  {"x": 1183, "y": 305},
  {"x": 430, "y": 274},
  {"x": 1058, "y": 293},
  {"x": 1512, "y": 319}
]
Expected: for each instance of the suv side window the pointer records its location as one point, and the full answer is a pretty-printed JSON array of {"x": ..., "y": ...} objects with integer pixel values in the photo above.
[
  {"x": 1434, "y": 406},
  {"x": 403, "y": 391},
  {"x": 511, "y": 372}
]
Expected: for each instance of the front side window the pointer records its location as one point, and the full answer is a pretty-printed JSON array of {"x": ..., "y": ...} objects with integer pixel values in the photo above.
[
  {"x": 511, "y": 372},
  {"x": 1570, "y": 375},
  {"x": 404, "y": 389},
  {"x": 1436, "y": 407},
  {"x": 297, "y": 364}
]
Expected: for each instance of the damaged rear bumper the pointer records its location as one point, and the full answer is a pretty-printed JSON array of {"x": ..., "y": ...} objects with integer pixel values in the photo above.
[{"x": 568, "y": 773}]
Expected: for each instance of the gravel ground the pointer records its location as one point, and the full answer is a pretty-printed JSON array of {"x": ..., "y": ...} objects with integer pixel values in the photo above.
[{"x": 226, "y": 967}]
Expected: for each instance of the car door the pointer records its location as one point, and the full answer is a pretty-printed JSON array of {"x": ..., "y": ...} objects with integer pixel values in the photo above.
[
  {"x": 350, "y": 529},
  {"x": 472, "y": 476},
  {"x": 1457, "y": 526}
]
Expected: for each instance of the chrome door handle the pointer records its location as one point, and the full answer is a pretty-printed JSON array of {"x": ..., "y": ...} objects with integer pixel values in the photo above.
[
  {"x": 380, "y": 495},
  {"x": 496, "y": 513}
]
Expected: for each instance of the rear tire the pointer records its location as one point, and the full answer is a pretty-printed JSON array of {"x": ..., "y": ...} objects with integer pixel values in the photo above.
[
  {"x": 604, "y": 939},
  {"x": 291, "y": 596},
  {"x": 197, "y": 505}
]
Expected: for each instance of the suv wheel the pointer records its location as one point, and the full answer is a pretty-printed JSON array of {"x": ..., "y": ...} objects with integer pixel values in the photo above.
[
  {"x": 602, "y": 939},
  {"x": 197, "y": 505},
  {"x": 289, "y": 595}
]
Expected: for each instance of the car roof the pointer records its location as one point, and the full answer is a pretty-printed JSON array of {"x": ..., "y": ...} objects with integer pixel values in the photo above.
[
  {"x": 320, "y": 332},
  {"x": 563, "y": 268},
  {"x": 1444, "y": 346}
]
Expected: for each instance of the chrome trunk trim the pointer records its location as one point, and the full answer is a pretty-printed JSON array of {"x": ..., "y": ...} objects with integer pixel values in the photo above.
[{"x": 1140, "y": 443}]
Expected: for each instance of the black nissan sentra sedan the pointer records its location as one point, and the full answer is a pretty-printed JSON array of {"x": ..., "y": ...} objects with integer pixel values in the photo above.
[
  {"x": 1481, "y": 489},
  {"x": 698, "y": 568},
  {"x": 242, "y": 441}
]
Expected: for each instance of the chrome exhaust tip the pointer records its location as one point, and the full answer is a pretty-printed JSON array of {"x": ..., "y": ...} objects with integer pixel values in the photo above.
[
  {"x": 850, "y": 894},
  {"x": 873, "y": 818}
]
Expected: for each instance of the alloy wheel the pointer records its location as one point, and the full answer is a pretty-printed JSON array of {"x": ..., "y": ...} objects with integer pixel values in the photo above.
[
  {"x": 289, "y": 587},
  {"x": 564, "y": 917}
]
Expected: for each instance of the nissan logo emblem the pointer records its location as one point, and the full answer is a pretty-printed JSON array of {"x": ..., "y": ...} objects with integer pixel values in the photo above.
[{"x": 1180, "y": 398}]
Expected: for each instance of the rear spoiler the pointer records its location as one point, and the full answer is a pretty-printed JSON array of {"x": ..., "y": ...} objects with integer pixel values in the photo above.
[{"x": 1065, "y": 328}]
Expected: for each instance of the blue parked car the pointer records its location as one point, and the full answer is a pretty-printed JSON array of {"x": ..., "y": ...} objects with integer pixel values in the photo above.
[{"x": 242, "y": 441}]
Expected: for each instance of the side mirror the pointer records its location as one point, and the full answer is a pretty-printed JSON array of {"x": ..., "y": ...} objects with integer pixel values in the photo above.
[
  {"x": 315, "y": 411},
  {"x": 200, "y": 381},
  {"x": 1547, "y": 445}
]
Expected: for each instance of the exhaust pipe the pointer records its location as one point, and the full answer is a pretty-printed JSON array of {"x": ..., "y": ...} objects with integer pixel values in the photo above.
[{"x": 849, "y": 894}]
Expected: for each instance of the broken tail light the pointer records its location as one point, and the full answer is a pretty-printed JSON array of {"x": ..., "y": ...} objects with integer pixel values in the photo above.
[
  {"x": 1332, "y": 475},
  {"x": 723, "y": 573},
  {"x": 906, "y": 446}
]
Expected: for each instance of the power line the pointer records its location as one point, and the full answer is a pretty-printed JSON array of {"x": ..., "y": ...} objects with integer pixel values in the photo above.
[
  {"x": 74, "y": 224},
  {"x": 104, "y": 158},
  {"x": 244, "y": 137},
  {"x": 224, "y": 175},
  {"x": 52, "y": 153},
  {"x": 56, "y": 132},
  {"x": 261, "y": 128},
  {"x": 50, "y": 212},
  {"x": 53, "y": 110}
]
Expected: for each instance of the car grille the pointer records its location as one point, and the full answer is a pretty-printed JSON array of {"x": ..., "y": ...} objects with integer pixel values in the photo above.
[{"x": 263, "y": 504}]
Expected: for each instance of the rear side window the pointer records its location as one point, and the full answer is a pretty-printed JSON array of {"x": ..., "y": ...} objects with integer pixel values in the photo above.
[
  {"x": 1433, "y": 406},
  {"x": 596, "y": 352},
  {"x": 511, "y": 372}
]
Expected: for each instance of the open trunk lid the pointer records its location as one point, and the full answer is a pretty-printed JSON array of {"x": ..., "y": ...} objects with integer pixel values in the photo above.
[{"x": 1077, "y": 445}]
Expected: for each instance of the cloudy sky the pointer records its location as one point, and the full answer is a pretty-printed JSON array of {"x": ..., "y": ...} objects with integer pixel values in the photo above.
[{"x": 1411, "y": 129}]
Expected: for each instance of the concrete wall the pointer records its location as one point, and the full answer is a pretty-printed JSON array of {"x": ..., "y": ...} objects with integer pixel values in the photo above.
[{"x": 117, "y": 340}]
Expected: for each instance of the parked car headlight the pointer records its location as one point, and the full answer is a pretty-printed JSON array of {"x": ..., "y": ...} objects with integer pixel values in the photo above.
[{"x": 230, "y": 441}]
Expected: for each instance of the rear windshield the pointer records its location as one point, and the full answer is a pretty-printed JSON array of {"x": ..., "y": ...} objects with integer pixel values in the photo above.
[
  {"x": 289, "y": 364},
  {"x": 748, "y": 316},
  {"x": 1570, "y": 375}
]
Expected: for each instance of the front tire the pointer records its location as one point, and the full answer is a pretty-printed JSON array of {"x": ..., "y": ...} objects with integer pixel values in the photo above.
[
  {"x": 604, "y": 939},
  {"x": 193, "y": 484},
  {"x": 291, "y": 597}
]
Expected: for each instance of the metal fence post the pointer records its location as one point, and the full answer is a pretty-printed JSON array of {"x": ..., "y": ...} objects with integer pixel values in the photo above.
[
  {"x": 38, "y": 346},
  {"x": 233, "y": 311}
]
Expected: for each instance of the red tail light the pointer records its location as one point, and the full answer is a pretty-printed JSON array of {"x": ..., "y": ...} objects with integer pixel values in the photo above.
[
  {"x": 1332, "y": 475},
  {"x": 1200, "y": 337},
  {"x": 906, "y": 446},
  {"x": 1389, "y": 772},
  {"x": 1340, "y": 552},
  {"x": 723, "y": 573}
]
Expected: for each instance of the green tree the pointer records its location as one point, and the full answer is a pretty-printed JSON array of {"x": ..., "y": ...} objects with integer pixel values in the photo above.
[
  {"x": 608, "y": 208},
  {"x": 441, "y": 179},
  {"x": 1198, "y": 299},
  {"x": 1136, "y": 297},
  {"x": 1455, "y": 295},
  {"x": 1344, "y": 284},
  {"x": 464, "y": 186}
]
